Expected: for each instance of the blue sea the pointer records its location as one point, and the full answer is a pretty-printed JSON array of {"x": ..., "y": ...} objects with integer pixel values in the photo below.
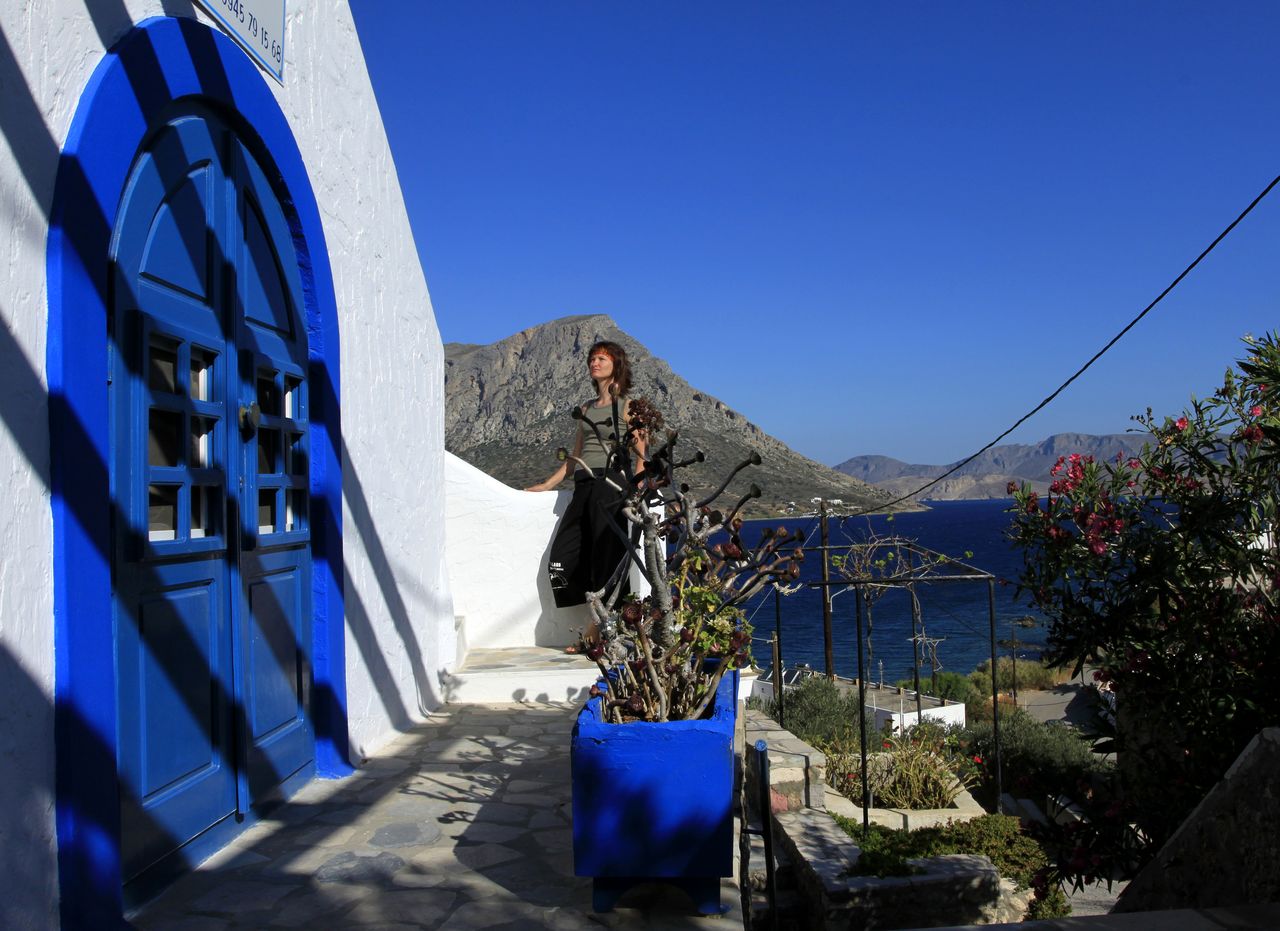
[{"x": 956, "y": 613}]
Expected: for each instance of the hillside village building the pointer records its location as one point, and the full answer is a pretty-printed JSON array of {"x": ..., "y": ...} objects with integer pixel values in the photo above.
[{"x": 223, "y": 570}]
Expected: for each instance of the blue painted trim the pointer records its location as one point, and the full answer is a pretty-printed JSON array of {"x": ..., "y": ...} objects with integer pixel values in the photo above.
[{"x": 158, "y": 63}]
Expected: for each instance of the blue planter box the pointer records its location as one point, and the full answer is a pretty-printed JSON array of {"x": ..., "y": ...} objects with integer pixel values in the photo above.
[{"x": 655, "y": 801}]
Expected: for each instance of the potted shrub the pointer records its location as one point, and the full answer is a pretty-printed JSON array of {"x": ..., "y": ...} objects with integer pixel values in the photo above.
[{"x": 652, "y": 752}]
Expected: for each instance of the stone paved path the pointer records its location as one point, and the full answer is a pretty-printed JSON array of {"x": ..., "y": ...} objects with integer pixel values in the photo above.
[{"x": 461, "y": 824}]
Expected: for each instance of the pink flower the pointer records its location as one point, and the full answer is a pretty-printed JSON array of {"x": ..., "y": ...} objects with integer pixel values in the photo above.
[
  {"x": 1181, "y": 423},
  {"x": 1255, "y": 411}
]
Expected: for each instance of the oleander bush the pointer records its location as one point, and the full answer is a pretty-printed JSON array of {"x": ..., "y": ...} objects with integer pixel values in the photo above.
[{"x": 1161, "y": 570}]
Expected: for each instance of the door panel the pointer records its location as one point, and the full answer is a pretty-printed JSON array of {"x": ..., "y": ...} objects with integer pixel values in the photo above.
[
  {"x": 177, "y": 629},
  {"x": 179, "y": 250},
  {"x": 212, "y": 609},
  {"x": 279, "y": 731},
  {"x": 262, "y": 278},
  {"x": 177, "y": 727},
  {"x": 275, "y": 692}
]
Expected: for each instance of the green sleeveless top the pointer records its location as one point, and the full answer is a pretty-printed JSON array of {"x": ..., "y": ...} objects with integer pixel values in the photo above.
[{"x": 594, "y": 453}]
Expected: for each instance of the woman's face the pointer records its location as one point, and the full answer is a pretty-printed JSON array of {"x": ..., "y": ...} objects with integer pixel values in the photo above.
[{"x": 600, "y": 365}]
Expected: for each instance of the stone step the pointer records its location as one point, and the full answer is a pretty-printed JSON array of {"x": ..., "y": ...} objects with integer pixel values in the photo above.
[
  {"x": 517, "y": 674},
  {"x": 505, "y": 674},
  {"x": 791, "y": 913}
]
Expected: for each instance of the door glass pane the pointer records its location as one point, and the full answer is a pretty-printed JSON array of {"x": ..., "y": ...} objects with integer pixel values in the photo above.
[
  {"x": 162, "y": 367},
  {"x": 295, "y": 456},
  {"x": 201, "y": 455},
  {"x": 204, "y": 508},
  {"x": 296, "y": 518},
  {"x": 164, "y": 437},
  {"x": 202, "y": 374},
  {"x": 268, "y": 452},
  {"x": 267, "y": 510},
  {"x": 293, "y": 398},
  {"x": 268, "y": 394},
  {"x": 162, "y": 512}
]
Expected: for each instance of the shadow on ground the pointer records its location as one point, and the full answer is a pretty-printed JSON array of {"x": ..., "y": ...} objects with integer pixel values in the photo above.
[{"x": 462, "y": 823}]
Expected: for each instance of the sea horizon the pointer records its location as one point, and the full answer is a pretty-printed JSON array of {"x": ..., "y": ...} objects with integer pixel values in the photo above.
[{"x": 956, "y": 615}]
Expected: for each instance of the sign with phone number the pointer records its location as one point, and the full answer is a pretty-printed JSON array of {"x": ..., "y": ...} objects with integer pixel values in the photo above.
[{"x": 258, "y": 25}]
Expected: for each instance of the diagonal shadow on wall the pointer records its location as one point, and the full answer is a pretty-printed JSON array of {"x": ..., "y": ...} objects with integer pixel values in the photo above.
[{"x": 21, "y": 409}]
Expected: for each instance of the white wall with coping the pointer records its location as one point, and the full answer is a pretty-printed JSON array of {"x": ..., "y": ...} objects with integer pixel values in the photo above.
[
  {"x": 400, "y": 630},
  {"x": 902, "y": 716},
  {"x": 499, "y": 540},
  {"x": 498, "y": 543},
  {"x": 900, "y": 713}
]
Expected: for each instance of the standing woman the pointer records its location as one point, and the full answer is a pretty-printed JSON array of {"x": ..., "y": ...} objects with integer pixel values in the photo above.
[{"x": 587, "y": 548}]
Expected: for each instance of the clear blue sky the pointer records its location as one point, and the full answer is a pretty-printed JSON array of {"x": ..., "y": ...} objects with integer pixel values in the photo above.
[{"x": 871, "y": 228}]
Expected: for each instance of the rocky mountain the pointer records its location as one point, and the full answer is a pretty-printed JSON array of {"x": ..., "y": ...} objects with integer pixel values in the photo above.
[
  {"x": 507, "y": 410},
  {"x": 990, "y": 473}
]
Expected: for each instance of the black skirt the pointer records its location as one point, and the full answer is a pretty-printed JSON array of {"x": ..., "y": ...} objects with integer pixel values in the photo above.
[{"x": 588, "y": 546}]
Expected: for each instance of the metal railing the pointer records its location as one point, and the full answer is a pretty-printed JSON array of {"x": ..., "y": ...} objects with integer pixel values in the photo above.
[{"x": 923, "y": 566}]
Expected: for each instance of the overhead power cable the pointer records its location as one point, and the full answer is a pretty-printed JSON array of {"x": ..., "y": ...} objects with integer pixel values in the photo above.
[{"x": 1096, "y": 356}]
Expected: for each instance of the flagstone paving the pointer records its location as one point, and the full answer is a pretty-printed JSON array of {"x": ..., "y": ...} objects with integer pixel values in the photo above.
[{"x": 462, "y": 823}]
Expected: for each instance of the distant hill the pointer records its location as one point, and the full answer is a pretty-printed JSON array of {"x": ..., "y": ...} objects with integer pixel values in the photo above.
[
  {"x": 507, "y": 409},
  {"x": 990, "y": 473}
]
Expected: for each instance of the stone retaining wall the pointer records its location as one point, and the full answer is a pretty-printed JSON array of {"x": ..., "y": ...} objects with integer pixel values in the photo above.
[
  {"x": 1227, "y": 851},
  {"x": 947, "y": 890}
]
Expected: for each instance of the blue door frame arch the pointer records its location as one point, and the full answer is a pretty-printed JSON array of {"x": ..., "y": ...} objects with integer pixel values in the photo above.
[{"x": 159, "y": 63}]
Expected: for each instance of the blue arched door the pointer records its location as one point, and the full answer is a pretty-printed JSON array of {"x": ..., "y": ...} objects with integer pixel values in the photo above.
[{"x": 210, "y": 458}]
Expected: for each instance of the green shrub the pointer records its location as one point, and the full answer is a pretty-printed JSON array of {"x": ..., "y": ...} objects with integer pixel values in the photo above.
[
  {"x": 926, "y": 769},
  {"x": 1031, "y": 674},
  {"x": 908, "y": 773},
  {"x": 818, "y": 712},
  {"x": 1039, "y": 759},
  {"x": 1016, "y": 856},
  {"x": 952, "y": 686}
]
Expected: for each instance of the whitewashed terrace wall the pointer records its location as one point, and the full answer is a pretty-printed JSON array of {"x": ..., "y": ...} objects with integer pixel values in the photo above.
[
  {"x": 905, "y": 718},
  {"x": 499, "y": 539},
  {"x": 398, "y": 602}
]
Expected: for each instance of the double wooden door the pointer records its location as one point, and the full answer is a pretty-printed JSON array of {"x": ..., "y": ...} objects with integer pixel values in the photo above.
[{"x": 209, "y": 478}]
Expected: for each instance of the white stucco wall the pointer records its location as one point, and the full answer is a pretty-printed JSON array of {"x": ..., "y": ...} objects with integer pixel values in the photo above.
[
  {"x": 399, "y": 613},
  {"x": 47, "y": 55},
  {"x": 499, "y": 539},
  {"x": 399, "y": 610}
]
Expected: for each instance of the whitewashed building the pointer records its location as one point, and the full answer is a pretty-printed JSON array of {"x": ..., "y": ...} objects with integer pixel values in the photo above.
[{"x": 223, "y": 569}]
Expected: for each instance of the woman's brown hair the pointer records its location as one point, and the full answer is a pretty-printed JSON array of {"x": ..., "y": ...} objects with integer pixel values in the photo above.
[{"x": 621, "y": 367}]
